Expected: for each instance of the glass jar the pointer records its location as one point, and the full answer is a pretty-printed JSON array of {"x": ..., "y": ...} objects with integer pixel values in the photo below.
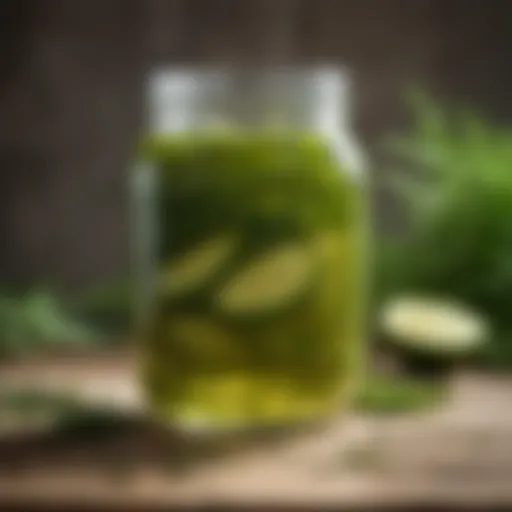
[{"x": 251, "y": 246}]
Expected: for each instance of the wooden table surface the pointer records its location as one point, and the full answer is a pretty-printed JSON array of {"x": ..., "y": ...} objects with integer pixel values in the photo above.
[{"x": 459, "y": 455}]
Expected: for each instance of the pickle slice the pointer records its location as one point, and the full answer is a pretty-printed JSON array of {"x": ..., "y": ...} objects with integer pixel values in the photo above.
[
  {"x": 197, "y": 266},
  {"x": 204, "y": 340},
  {"x": 269, "y": 282}
]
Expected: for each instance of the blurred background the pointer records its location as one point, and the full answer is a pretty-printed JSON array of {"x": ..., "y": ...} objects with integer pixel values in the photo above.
[
  {"x": 72, "y": 97},
  {"x": 432, "y": 86},
  {"x": 72, "y": 108}
]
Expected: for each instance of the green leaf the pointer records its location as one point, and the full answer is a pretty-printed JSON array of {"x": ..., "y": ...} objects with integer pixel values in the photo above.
[
  {"x": 392, "y": 396},
  {"x": 458, "y": 197}
]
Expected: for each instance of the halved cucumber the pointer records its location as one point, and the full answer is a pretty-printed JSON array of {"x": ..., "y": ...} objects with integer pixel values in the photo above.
[
  {"x": 196, "y": 266},
  {"x": 433, "y": 326},
  {"x": 269, "y": 282}
]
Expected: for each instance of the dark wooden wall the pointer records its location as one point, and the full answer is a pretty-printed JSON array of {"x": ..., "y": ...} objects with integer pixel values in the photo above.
[{"x": 71, "y": 96}]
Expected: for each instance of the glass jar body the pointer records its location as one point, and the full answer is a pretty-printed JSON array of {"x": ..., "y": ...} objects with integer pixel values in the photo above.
[{"x": 253, "y": 307}]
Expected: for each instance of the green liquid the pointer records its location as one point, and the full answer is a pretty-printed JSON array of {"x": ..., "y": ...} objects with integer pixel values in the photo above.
[{"x": 260, "y": 293}]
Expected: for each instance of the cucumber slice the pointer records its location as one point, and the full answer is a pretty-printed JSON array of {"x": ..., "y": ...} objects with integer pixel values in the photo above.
[
  {"x": 197, "y": 266},
  {"x": 269, "y": 282},
  {"x": 204, "y": 340},
  {"x": 331, "y": 247},
  {"x": 433, "y": 326}
]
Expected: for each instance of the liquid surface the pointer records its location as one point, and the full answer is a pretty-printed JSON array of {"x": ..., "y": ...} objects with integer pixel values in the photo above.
[{"x": 257, "y": 314}]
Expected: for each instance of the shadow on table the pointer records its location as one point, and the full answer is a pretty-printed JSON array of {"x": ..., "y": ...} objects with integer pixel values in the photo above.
[
  {"x": 91, "y": 437},
  {"x": 100, "y": 441}
]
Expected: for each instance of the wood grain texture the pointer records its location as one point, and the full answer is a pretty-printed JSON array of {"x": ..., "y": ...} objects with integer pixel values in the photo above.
[{"x": 457, "y": 455}]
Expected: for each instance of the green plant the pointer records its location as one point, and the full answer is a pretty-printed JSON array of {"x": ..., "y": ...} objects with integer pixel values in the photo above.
[
  {"x": 38, "y": 321},
  {"x": 391, "y": 396},
  {"x": 459, "y": 202},
  {"x": 108, "y": 306}
]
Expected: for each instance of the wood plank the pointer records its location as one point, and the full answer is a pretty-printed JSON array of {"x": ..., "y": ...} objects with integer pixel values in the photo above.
[{"x": 456, "y": 456}]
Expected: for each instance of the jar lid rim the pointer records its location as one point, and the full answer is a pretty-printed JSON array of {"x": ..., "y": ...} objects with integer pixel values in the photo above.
[{"x": 164, "y": 74}]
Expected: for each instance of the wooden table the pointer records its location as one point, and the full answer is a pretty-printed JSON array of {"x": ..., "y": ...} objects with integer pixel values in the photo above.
[{"x": 458, "y": 456}]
